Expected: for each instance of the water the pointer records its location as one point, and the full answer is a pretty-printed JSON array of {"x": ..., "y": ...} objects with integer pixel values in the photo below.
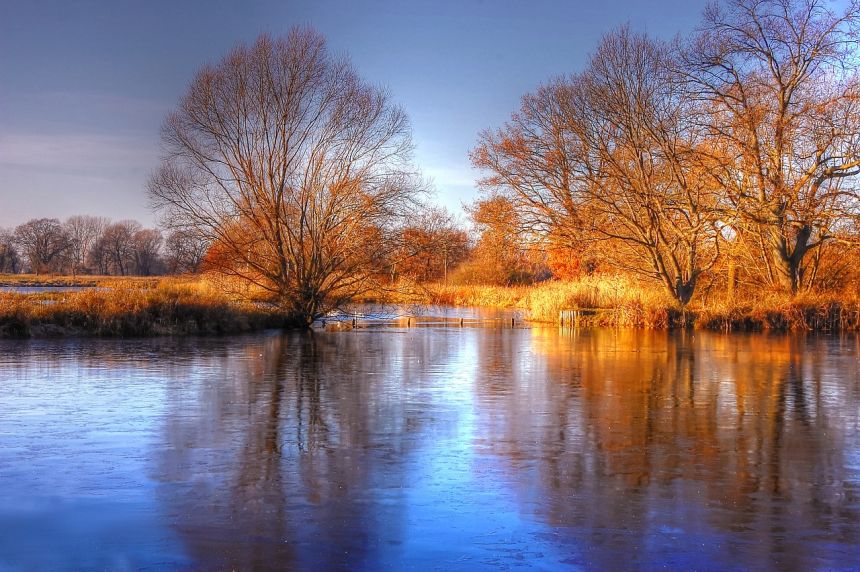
[
  {"x": 431, "y": 448},
  {"x": 45, "y": 289}
]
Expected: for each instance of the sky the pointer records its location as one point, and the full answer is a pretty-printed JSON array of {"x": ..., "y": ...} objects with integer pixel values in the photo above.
[{"x": 86, "y": 85}]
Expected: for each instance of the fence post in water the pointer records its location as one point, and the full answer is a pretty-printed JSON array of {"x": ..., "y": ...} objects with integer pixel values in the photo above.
[
  {"x": 408, "y": 322},
  {"x": 353, "y": 322},
  {"x": 569, "y": 318},
  {"x": 461, "y": 322},
  {"x": 512, "y": 322}
]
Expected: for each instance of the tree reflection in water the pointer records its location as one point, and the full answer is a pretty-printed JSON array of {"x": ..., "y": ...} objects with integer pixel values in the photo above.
[
  {"x": 684, "y": 448},
  {"x": 618, "y": 449},
  {"x": 300, "y": 456}
]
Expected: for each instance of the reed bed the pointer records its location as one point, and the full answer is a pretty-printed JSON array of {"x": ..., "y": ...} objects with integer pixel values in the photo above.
[
  {"x": 132, "y": 308},
  {"x": 618, "y": 300},
  {"x": 202, "y": 305},
  {"x": 807, "y": 312}
]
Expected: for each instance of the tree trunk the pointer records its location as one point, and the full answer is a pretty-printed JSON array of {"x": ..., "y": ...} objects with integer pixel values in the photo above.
[
  {"x": 683, "y": 291},
  {"x": 788, "y": 258}
]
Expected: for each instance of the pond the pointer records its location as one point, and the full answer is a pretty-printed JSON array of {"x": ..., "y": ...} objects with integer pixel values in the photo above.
[{"x": 444, "y": 447}]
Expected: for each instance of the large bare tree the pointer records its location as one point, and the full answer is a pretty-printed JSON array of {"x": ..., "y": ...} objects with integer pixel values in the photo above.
[
  {"x": 293, "y": 167},
  {"x": 782, "y": 102},
  {"x": 610, "y": 156}
]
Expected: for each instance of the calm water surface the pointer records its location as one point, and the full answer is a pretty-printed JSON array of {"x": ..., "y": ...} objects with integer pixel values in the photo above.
[
  {"x": 431, "y": 448},
  {"x": 45, "y": 289}
]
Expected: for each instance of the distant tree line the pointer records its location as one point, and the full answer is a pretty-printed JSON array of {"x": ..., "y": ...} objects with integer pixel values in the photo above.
[
  {"x": 427, "y": 250},
  {"x": 86, "y": 244}
]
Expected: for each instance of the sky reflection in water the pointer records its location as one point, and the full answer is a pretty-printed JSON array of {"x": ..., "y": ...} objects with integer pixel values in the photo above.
[{"x": 434, "y": 448}]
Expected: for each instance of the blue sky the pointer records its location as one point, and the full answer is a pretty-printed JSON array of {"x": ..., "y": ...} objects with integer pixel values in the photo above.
[{"x": 85, "y": 85}]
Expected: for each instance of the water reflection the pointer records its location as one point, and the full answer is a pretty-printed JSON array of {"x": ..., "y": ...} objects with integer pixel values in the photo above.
[
  {"x": 439, "y": 448},
  {"x": 317, "y": 435},
  {"x": 744, "y": 447}
]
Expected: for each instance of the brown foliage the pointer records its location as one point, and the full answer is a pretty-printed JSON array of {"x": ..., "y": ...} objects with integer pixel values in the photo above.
[{"x": 293, "y": 167}]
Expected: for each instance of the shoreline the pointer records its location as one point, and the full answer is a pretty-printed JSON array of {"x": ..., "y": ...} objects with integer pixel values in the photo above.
[{"x": 116, "y": 307}]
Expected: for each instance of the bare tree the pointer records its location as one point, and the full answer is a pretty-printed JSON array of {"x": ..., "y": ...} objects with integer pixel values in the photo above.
[
  {"x": 610, "y": 156},
  {"x": 503, "y": 253},
  {"x": 44, "y": 242},
  {"x": 294, "y": 168},
  {"x": 114, "y": 251},
  {"x": 97, "y": 258},
  {"x": 432, "y": 245},
  {"x": 782, "y": 102},
  {"x": 83, "y": 231},
  {"x": 9, "y": 260},
  {"x": 184, "y": 251},
  {"x": 146, "y": 249}
]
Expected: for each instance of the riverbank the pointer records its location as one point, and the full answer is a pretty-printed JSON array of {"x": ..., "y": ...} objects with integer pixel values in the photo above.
[
  {"x": 618, "y": 301},
  {"x": 125, "y": 308}
]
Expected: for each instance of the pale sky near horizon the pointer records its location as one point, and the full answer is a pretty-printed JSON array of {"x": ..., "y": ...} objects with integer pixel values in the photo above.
[{"x": 85, "y": 85}]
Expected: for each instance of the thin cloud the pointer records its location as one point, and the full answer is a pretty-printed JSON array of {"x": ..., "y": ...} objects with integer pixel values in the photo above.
[{"x": 77, "y": 154}]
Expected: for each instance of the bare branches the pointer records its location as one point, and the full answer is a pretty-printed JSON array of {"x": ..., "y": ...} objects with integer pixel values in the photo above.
[
  {"x": 609, "y": 156},
  {"x": 781, "y": 86},
  {"x": 292, "y": 167},
  {"x": 750, "y": 132}
]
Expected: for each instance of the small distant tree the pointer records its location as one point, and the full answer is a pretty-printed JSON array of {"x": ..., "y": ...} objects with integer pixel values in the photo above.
[
  {"x": 184, "y": 251},
  {"x": 97, "y": 258},
  {"x": 432, "y": 246},
  {"x": 503, "y": 253},
  {"x": 146, "y": 252},
  {"x": 44, "y": 243},
  {"x": 83, "y": 231},
  {"x": 114, "y": 251},
  {"x": 10, "y": 262}
]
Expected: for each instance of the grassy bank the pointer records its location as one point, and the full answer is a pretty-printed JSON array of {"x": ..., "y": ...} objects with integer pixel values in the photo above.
[
  {"x": 176, "y": 306},
  {"x": 131, "y": 308},
  {"x": 622, "y": 301}
]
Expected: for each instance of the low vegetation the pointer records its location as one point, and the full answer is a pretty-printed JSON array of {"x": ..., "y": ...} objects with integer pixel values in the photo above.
[
  {"x": 206, "y": 305},
  {"x": 618, "y": 300},
  {"x": 132, "y": 308}
]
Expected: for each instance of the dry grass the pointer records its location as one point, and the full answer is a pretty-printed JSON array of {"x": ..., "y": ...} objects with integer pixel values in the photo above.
[
  {"x": 131, "y": 308},
  {"x": 770, "y": 311},
  {"x": 152, "y": 306},
  {"x": 618, "y": 300}
]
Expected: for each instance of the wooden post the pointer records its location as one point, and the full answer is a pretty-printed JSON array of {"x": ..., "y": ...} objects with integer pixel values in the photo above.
[
  {"x": 408, "y": 322},
  {"x": 353, "y": 322},
  {"x": 461, "y": 322}
]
